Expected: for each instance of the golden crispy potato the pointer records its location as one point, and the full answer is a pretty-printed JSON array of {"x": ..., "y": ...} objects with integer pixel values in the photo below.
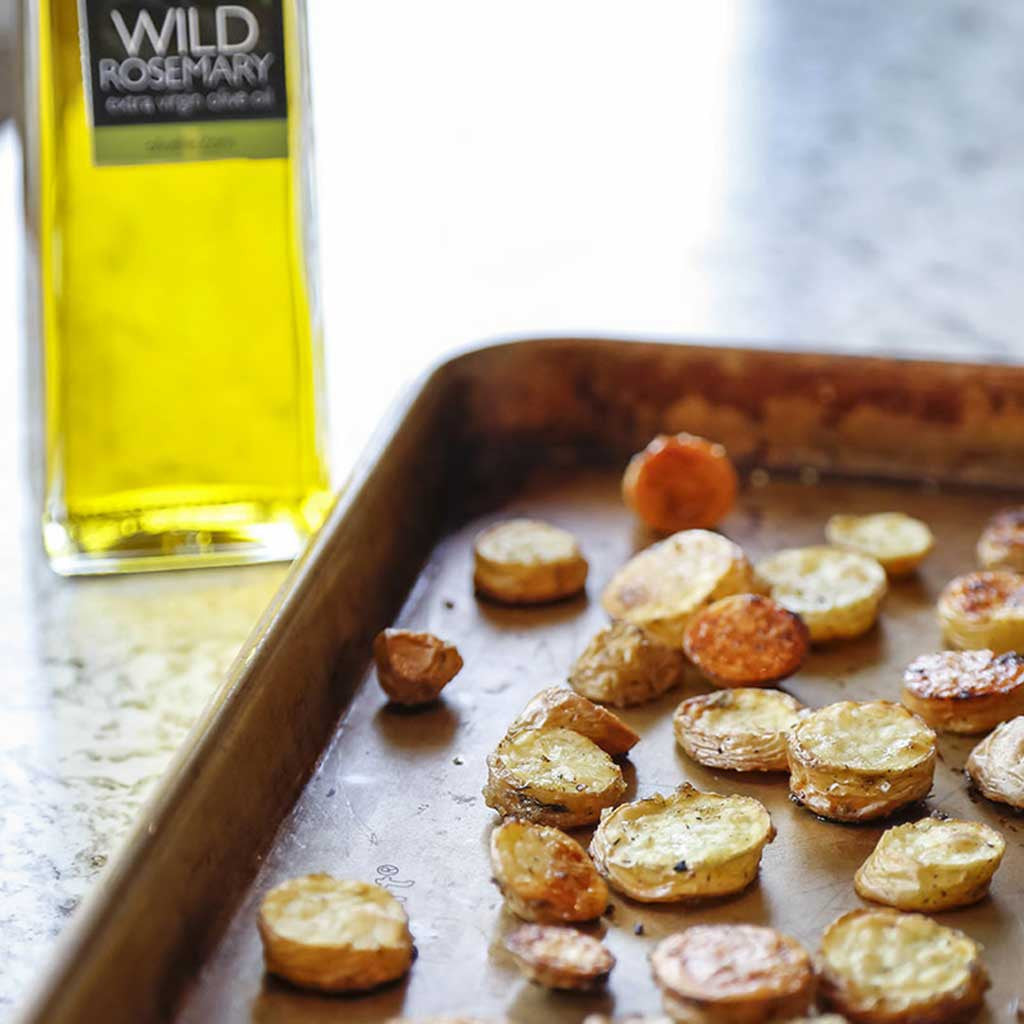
[
  {"x": 624, "y": 666},
  {"x": 560, "y": 957},
  {"x": 1002, "y": 542},
  {"x": 746, "y": 640},
  {"x": 884, "y": 967},
  {"x": 686, "y": 846},
  {"x": 835, "y": 592},
  {"x": 931, "y": 865},
  {"x": 545, "y": 875},
  {"x": 965, "y": 691},
  {"x": 996, "y": 764},
  {"x": 552, "y": 777},
  {"x": 733, "y": 974},
  {"x": 898, "y": 542},
  {"x": 742, "y": 729},
  {"x": 333, "y": 935},
  {"x": 854, "y": 761},
  {"x": 526, "y": 561},
  {"x": 665, "y": 585},
  {"x": 560, "y": 708},
  {"x": 984, "y": 610},
  {"x": 413, "y": 668}
]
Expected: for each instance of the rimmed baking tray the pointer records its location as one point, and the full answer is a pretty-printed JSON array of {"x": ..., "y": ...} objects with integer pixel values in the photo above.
[{"x": 300, "y": 766}]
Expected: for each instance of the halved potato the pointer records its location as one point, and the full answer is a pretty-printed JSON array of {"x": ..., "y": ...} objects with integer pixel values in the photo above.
[
  {"x": 552, "y": 777},
  {"x": 686, "y": 846},
  {"x": 413, "y": 668},
  {"x": 965, "y": 691},
  {"x": 835, "y": 592},
  {"x": 742, "y": 729},
  {"x": 984, "y": 610},
  {"x": 545, "y": 875},
  {"x": 560, "y": 708},
  {"x": 996, "y": 764},
  {"x": 931, "y": 865},
  {"x": 623, "y": 666},
  {"x": 853, "y": 761},
  {"x": 664, "y": 586},
  {"x": 526, "y": 561},
  {"x": 1002, "y": 542},
  {"x": 560, "y": 958},
  {"x": 885, "y": 967},
  {"x": 733, "y": 974},
  {"x": 334, "y": 935},
  {"x": 897, "y": 541}
]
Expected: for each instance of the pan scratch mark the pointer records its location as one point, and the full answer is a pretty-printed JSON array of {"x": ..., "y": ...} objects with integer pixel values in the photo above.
[{"x": 370, "y": 834}]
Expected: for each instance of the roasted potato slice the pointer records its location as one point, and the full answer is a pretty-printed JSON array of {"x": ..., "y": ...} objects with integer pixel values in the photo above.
[
  {"x": 898, "y": 542},
  {"x": 526, "y": 561},
  {"x": 854, "y": 761},
  {"x": 552, "y": 777},
  {"x": 835, "y": 592},
  {"x": 413, "y": 668},
  {"x": 984, "y": 610},
  {"x": 965, "y": 691},
  {"x": 334, "y": 935},
  {"x": 623, "y": 666},
  {"x": 931, "y": 865},
  {"x": 560, "y": 708},
  {"x": 996, "y": 764},
  {"x": 742, "y": 729},
  {"x": 686, "y": 846},
  {"x": 1002, "y": 542},
  {"x": 665, "y": 585},
  {"x": 560, "y": 958},
  {"x": 885, "y": 967},
  {"x": 733, "y": 974},
  {"x": 746, "y": 640},
  {"x": 545, "y": 875}
]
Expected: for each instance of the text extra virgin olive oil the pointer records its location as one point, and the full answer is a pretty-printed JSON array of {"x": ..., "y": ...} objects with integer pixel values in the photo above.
[{"x": 169, "y": 207}]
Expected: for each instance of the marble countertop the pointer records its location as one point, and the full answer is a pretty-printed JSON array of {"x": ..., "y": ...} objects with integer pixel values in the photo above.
[{"x": 843, "y": 175}]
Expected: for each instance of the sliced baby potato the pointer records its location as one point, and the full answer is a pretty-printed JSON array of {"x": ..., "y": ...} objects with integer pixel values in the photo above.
[
  {"x": 552, "y": 777},
  {"x": 898, "y": 542},
  {"x": 931, "y": 865},
  {"x": 854, "y": 761},
  {"x": 334, "y": 935},
  {"x": 686, "y": 846},
  {"x": 742, "y": 729},
  {"x": 664, "y": 586},
  {"x": 560, "y": 708},
  {"x": 560, "y": 958},
  {"x": 984, "y": 610},
  {"x": 1002, "y": 542},
  {"x": 885, "y": 967},
  {"x": 996, "y": 764},
  {"x": 413, "y": 668},
  {"x": 835, "y": 592},
  {"x": 526, "y": 561},
  {"x": 729, "y": 973},
  {"x": 545, "y": 875},
  {"x": 624, "y": 665},
  {"x": 746, "y": 640},
  {"x": 965, "y": 691}
]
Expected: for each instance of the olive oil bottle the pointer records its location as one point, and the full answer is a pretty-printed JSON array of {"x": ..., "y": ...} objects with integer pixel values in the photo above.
[{"x": 169, "y": 204}]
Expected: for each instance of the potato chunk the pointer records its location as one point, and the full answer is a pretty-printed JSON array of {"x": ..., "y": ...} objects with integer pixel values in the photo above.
[
  {"x": 560, "y": 958},
  {"x": 984, "y": 610},
  {"x": 413, "y": 668},
  {"x": 897, "y": 541},
  {"x": 996, "y": 764},
  {"x": 561, "y": 708},
  {"x": 1002, "y": 542}
]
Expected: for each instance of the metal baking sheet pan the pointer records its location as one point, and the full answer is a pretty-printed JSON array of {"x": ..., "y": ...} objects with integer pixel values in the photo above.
[{"x": 301, "y": 766}]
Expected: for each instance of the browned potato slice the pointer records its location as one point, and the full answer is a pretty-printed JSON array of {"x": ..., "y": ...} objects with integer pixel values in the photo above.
[
  {"x": 413, "y": 668},
  {"x": 545, "y": 875},
  {"x": 1002, "y": 543},
  {"x": 965, "y": 691},
  {"x": 746, "y": 640},
  {"x": 733, "y": 974},
  {"x": 853, "y": 761},
  {"x": 334, "y": 935},
  {"x": 996, "y": 764},
  {"x": 984, "y": 610},
  {"x": 560, "y": 708},
  {"x": 560, "y": 957},
  {"x": 884, "y": 967},
  {"x": 552, "y": 777},
  {"x": 623, "y": 666}
]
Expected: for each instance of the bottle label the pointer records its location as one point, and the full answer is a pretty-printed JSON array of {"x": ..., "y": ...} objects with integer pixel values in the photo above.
[{"x": 168, "y": 83}]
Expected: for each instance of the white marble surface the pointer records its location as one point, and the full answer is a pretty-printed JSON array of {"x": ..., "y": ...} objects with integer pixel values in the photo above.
[{"x": 844, "y": 174}]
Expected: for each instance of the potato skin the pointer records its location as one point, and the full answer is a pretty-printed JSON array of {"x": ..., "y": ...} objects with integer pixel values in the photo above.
[
  {"x": 560, "y": 708},
  {"x": 560, "y": 958},
  {"x": 413, "y": 668},
  {"x": 996, "y": 764},
  {"x": 984, "y": 610},
  {"x": 1001, "y": 545}
]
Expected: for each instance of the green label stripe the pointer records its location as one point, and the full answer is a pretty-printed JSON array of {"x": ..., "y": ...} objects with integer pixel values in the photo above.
[{"x": 190, "y": 141}]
